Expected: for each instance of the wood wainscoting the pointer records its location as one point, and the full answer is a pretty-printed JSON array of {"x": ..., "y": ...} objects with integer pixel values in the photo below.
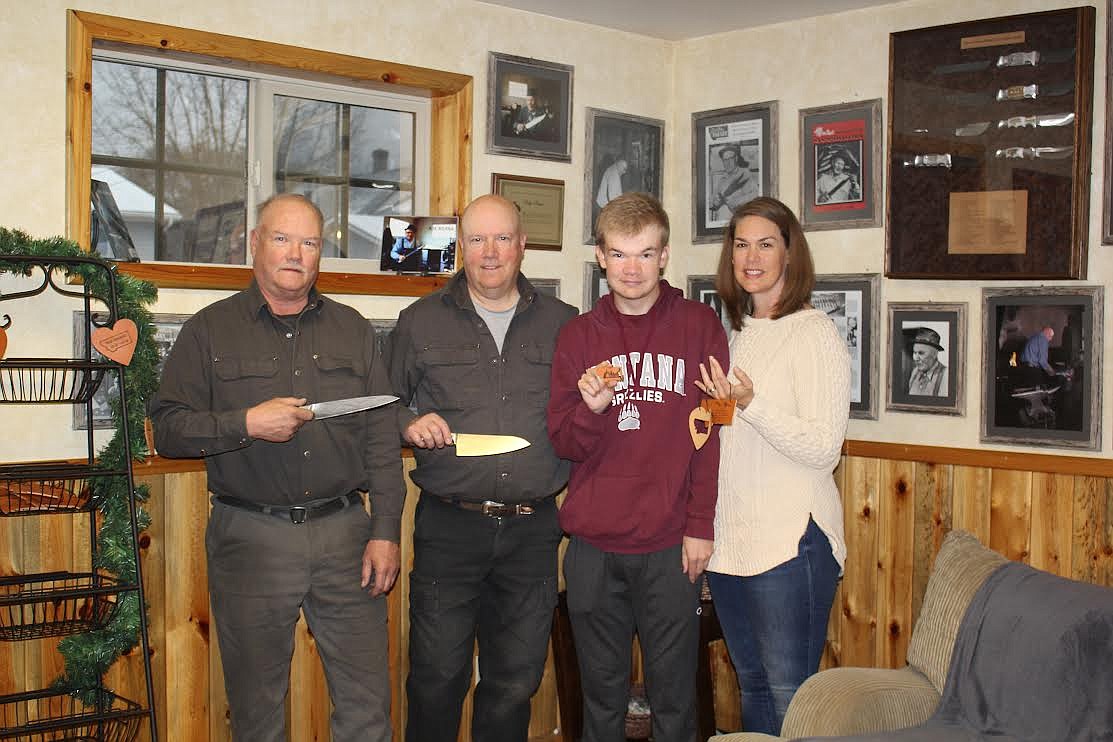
[{"x": 1054, "y": 512}]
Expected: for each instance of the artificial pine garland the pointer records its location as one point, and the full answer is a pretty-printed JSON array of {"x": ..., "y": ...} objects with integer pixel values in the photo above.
[{"x": 89, "y": 655}]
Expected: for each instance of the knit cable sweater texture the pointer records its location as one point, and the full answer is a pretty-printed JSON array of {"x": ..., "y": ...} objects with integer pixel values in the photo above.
[{"x": 779, "y": 455}]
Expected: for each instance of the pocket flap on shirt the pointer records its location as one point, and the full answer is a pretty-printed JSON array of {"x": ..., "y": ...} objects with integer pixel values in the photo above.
[
  {"x": 239, "y": 368},
  {"x": 450, "y": 356}
]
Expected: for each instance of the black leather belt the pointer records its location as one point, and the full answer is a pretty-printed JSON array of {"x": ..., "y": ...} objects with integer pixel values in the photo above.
[
  {"x": 296, "y": 514},
  {"x": 494, "y": 509}
]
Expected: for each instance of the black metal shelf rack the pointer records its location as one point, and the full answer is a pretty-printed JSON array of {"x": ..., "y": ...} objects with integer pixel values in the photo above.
[{"x": 62, "y": 603}]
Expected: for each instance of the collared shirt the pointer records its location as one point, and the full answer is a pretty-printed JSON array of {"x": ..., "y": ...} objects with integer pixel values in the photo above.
[
  {"x": 931, "y": 382},
  {"x": 443, "y": 358},
  {"x": 235, "y": 354},
  {"x": 1035, "y": 353}
]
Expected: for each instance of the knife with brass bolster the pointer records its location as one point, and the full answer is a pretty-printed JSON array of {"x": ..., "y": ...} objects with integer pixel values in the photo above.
[
  {"x": 337, "y": 407},
  {"x": 1048, "y": 119},
  {"x": 477, "y": 444},
  {"x": 1016, "y": 59},
  {"x": 1013, "y": 93},
  {"x": 1035, "y": 153}
]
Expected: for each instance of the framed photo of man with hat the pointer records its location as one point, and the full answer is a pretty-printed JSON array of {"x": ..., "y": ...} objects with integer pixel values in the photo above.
[
  {"x": 927, "y": 359},
  {"x": 734, "y": 160},
  {"x": 840, "y": 156}
]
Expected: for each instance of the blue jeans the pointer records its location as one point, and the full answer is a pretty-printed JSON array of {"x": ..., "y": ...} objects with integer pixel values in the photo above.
[{"x": 775, "y": 626}]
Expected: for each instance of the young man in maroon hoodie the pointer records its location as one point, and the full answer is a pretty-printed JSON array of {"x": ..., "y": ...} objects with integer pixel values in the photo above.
[{"x": 641, "y": 499}]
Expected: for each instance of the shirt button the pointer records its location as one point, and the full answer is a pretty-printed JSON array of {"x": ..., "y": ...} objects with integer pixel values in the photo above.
[
  {"x": 505, "y": 397},
  {"x": 494, "y": 361},
  {"x": 306, "y": 454},
  {"x": 289, "y": 335},
  {"x": 297, "y": 372},
  {"x": 504, "y": 475},
  {"x": 307, "y": 493},
  {"x": 316, "y": 356}
]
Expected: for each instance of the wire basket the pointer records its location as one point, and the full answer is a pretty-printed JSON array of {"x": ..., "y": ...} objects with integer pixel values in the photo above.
[
  {"x": 39, "y": 380},
  {"x": 32, "y": 489},
  {"x": 55, "y": 604},
  {"x": 47, "y": 715}
]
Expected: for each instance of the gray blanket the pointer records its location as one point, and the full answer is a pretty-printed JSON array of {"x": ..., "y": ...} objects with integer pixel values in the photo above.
[{"x": 1033, "y": 662}]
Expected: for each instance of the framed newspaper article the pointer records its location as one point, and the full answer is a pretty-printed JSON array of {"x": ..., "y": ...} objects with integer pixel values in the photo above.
[
  {"x": 840, "y": 157},
  {"x": 734, "y": 159}
]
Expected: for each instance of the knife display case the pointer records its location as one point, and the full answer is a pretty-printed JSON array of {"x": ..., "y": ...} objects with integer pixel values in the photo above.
[{"x": 989, "y": 148}]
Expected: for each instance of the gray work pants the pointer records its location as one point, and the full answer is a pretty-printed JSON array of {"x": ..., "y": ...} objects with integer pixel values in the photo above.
[{"x": 262, "y": 571}]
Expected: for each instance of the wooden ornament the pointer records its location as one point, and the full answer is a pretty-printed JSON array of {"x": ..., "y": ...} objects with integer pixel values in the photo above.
[
  {"x": 722, "y": 410},
  {"x": 699, "y": 438},
  {"x": 3, "y": 342},
  {"x": 117, "y": 342},
  {"x": 608, "y": 372}
]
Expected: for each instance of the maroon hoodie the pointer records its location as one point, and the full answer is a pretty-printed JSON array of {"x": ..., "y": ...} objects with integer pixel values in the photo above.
[{"x": 638, "y": 485}]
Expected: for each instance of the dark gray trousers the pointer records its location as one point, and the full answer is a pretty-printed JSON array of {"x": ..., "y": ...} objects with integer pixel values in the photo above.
[
  {"x": 262, "y": 571},
  {"x": 610, "y": 596}
]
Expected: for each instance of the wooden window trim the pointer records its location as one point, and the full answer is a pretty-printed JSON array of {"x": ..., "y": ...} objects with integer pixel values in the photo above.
[{"x": 450, "y": 152}]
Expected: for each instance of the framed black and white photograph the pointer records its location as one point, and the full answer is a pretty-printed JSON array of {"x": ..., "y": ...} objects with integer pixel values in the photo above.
[
  {"x": 702, "y": 289},
  {"x": 734, "y": 159},
  {"x": 550, "y": 286},
  {"x": 595, "y": 285},
  {"x": 529, "y": 108},
  {"x": 840, "y": 160},
  {"x": 166, "y": 326},
  {"x": 1107, "y": 192},
  {"x": 1042, "y": 354},
  {"x": 927, "y": 361},
  {"x": 624, "y": 153},
  {"x": 852, "y": 302}
]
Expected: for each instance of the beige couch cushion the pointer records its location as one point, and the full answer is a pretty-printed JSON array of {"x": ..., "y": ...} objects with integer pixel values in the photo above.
[{"x": 961, "y": 567}]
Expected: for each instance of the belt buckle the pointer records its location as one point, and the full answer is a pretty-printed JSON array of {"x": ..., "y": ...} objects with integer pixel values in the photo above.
[
  {"x": 298, "y": 514},
  {"x": 491, "y": 508}
]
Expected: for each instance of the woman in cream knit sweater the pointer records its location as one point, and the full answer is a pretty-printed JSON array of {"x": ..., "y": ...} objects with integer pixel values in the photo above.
[{"x": 779, "y": 545}]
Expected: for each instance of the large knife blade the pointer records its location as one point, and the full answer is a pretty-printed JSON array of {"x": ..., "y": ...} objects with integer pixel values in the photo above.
[
  {"x": 337, "y": 407},
  {"x": 478, "y": 444}
]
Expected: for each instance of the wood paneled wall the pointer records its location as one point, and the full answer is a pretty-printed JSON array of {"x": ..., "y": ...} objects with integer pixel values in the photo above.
[{"x": 1055, "y": 513}]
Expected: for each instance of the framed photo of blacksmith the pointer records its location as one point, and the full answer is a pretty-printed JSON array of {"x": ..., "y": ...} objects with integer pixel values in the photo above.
[
  {"x": 529, "y": 108},
  {"x": 1042, "y": 355},
  {"x": 734, "y": 160},
  {"x": 624, "y": 153},
  {"x": 927, "y": 358},
  {"x": 840, "y": 158}
]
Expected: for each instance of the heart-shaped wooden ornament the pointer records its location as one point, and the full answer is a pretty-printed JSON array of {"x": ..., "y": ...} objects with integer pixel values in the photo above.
[
  {"x": 698, "y": 437},
  {"x": 117, "y": 342}
]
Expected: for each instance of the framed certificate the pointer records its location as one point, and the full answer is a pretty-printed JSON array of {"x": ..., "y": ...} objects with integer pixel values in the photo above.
[{"x": 540, "y": 202}]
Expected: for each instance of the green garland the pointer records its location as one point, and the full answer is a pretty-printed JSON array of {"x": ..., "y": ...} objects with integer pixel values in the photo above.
[{"x": 88, "y": 656}]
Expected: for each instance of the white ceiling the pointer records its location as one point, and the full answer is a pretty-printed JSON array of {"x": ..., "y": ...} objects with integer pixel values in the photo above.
[{"x": 685, "y": 19}]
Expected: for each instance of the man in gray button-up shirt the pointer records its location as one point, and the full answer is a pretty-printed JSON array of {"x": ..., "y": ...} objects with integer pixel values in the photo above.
[
  {"x": 288, "y": 530},
  {"x": 476, "y": 357}
]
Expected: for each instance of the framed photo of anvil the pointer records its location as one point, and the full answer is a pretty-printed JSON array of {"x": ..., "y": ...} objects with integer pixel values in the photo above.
[
  {"x": 734, "y": 159},
  {"x": 1042, "y": 361},
  {"x": 989, "y": 148},
  {"x": 840, "y": 159}
]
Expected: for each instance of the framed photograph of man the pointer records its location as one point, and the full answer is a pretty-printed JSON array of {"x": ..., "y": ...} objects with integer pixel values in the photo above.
[
  {"x": 702, "y": 289},
  {"x": 419, "y": 244},
  {"x": 595, "y": 284},
  {"x": 927, "y": 360},
  {"x": 1042, "y": 355},
  {"x": 840, "y": 158},
  {"x": 624, "y": 153},
  {"x": 540, "y": 203},
  {"x": 851, "y": 301},
  {"x": 529, "y": 108},
  {"x": 734, "y": 159},
  {"x": 166, "y": 326}
]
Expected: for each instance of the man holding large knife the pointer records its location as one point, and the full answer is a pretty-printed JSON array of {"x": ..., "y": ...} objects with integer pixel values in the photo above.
[
  {"x": 474, "y": 358},
  {"x": 288, "y": 530}
]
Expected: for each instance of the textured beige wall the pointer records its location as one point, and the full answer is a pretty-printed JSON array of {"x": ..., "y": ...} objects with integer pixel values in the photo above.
[{"x": 814, "y": 62}]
